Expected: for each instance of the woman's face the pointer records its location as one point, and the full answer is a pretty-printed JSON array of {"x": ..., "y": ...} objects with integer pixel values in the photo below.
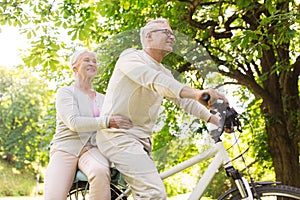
[{"x": 87, "y": 66}]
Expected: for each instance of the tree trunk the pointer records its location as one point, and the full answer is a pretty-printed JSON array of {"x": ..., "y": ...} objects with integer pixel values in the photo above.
[
  {"x": 284, "y": 153},
  {"x": 280, "y": 105}
]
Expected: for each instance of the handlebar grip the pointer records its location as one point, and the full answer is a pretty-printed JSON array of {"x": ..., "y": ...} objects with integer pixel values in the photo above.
[{"x": 205, "y": 97}]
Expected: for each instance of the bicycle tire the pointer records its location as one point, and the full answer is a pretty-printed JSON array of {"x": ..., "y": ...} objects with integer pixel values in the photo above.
[
  {"x": 268, "y": 192},
  {"x": 79, "y": 191}
]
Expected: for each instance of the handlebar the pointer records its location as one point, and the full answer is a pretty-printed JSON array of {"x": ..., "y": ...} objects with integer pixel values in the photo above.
[
  {"x": 205, "y": 97},
  {"x": 228, "y": 116}
]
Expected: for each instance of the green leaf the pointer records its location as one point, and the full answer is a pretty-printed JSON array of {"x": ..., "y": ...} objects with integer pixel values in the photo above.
[
  {"x": 259, "y": 51},
  {"x": 28, "y": 35},
  {"x": 270, "y": 6},
  {"x": 243, "y": 3},
  {"x": 74, "y": 37}
]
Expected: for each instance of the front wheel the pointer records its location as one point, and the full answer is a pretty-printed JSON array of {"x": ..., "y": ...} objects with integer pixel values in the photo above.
[{"x": 267, "y": 192}]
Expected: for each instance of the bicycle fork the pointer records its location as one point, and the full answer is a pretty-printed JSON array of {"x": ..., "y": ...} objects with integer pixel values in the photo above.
[{"x": 241, "y": 183}]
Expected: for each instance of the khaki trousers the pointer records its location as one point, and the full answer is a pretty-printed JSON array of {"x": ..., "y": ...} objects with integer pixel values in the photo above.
[
  {"x": 63, "y": 166},
  {"x": 131, "y": 157}
]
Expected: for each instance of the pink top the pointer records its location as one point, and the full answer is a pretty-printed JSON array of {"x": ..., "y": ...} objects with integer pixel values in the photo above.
[{"x": 95, "y": 108}]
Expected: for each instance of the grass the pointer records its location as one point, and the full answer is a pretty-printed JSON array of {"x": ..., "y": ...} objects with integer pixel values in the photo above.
[{"x": 14, "y": 182}]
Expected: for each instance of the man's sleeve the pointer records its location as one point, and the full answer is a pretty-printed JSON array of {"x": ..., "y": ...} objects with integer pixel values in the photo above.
[
  {"x": 193, "y": 107},
  {"x": 135, "y": 68}
]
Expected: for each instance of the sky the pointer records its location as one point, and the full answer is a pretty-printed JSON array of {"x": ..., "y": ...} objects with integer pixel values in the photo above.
[{"x": 11, "y": 41}]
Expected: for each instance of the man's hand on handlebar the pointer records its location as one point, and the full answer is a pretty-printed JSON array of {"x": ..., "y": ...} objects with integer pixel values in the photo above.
[{"x": 208, "y": 97}]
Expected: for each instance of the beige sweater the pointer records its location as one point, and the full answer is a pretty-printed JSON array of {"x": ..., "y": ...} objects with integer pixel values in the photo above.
[
  {"x": 75, "y": 123},
  {"x": 136, "y": 90}
]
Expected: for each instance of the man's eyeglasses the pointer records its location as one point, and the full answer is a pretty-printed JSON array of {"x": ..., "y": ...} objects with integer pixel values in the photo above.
[{"x": 165, "y": 31}]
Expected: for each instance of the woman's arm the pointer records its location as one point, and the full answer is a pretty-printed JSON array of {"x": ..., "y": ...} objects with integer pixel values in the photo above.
[{"x": 68, "y": 111}]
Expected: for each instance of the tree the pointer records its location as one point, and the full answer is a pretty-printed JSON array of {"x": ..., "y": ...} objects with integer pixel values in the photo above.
[
  {"x": 255, "y": 43},
  {"x": 23, "y": 101}
]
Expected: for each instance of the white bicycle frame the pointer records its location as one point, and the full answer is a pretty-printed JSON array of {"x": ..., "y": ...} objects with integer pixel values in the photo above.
[{"x": 221, "y": 157}]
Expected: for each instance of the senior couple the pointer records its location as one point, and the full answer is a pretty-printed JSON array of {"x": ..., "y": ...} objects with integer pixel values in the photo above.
[{"x": 93, "y": 131}]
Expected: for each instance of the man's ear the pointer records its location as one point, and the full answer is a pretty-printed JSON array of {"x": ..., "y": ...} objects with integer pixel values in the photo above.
[
  {"x": 75, "y": 69},
  {"x": 148, "y": 36}
]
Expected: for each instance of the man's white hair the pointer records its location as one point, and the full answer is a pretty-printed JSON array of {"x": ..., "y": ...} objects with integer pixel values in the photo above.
[{"x": 150, "y": 26}]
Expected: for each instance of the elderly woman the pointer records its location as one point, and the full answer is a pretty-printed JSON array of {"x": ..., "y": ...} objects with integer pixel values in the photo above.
[{"x": 73, "y": 146}]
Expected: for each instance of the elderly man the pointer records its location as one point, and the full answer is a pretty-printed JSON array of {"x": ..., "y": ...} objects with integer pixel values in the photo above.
[{"x": 136, "y": 90}]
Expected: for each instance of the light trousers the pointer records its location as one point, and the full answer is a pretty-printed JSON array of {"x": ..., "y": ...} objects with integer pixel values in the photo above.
[
  {"x": 61, "y": 170},
  {"x": 131, "y": 157}
]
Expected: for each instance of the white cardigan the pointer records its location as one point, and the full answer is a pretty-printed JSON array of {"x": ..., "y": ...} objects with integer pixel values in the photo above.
[{"x": 75, "y": 123}]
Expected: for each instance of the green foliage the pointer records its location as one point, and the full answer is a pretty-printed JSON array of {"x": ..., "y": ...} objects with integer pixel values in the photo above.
[
  {"x": 46, "y": 130},
  {"x": 67, "y": 24},
  {"x": 219, "y": 185},
  {"x": 260, "y": 151},
  {"x": 24, "y": 99}
]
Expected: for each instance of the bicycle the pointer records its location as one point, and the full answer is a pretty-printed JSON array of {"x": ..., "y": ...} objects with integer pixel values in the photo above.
[{"x": 246, "y": 190}]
